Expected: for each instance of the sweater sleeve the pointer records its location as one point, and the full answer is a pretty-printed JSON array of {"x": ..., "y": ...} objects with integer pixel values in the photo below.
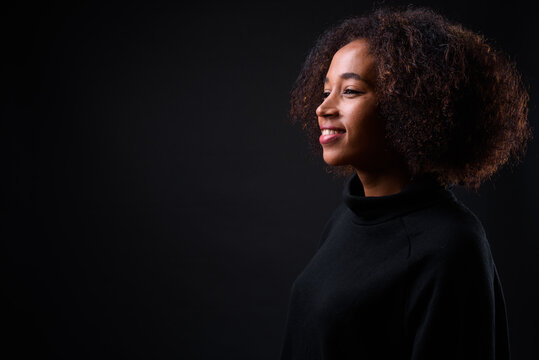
[{"x": 451, "y": 309}]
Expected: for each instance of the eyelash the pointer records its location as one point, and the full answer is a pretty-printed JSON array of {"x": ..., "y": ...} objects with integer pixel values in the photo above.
[{"x": 325, "y": 94}]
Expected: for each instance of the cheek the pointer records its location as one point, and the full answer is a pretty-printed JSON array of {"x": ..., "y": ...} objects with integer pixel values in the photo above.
[
  {"x": 365, "y": 120},
  {"x": 367, "y": 129}
]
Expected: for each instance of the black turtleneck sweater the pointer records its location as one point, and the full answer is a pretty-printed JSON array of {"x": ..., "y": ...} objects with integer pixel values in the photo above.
[{"x": 403, "y": 276}]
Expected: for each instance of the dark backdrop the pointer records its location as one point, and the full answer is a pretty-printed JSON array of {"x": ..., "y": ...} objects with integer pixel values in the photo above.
[{"x": 158, "y": 204}]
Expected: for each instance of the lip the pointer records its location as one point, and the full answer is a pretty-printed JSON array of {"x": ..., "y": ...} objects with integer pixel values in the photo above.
[
  {"x": 324, "y": 127},
  {"x": 327, "y": 139}
]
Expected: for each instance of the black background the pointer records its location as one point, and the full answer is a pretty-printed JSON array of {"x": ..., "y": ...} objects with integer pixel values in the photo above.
[{"x": 158, "y": 204}]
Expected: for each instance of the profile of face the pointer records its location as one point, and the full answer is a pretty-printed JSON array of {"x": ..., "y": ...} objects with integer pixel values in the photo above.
[{"x": 352, "y": 131}]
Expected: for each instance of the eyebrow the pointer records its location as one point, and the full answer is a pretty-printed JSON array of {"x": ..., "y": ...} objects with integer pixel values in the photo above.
[{"x": 348, "y": 75}]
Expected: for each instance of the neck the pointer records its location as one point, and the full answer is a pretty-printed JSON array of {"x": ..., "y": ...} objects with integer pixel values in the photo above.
[{"x": 384, "y": 183}]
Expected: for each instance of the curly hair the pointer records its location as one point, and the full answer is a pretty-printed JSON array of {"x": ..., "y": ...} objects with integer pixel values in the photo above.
[{"x": 453, "y": 105}]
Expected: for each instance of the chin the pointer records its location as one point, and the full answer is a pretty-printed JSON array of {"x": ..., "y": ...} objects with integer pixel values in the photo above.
[{"x": 333, "y": 160}]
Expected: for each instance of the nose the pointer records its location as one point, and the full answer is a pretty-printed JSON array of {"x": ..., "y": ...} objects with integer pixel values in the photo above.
[{"x": 327, "y": 108}]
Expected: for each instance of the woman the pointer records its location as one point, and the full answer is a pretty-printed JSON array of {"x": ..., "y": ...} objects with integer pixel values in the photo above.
[{"x": 411, "y": 105}]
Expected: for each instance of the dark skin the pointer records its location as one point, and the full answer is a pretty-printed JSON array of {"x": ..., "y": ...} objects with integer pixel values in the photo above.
[{"x": 350, "y": 105}]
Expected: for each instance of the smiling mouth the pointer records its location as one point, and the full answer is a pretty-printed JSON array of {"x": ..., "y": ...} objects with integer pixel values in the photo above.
[
  {"x": 330, "y": 135},
  {"x": 331, "y": 131}
]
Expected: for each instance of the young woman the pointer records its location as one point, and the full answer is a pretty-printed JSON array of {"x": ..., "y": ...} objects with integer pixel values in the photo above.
[{"x": 410, "y": 104}]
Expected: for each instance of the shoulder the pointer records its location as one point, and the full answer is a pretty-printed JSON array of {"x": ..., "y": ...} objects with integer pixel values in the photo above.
[{"x": 448, "y": 234}]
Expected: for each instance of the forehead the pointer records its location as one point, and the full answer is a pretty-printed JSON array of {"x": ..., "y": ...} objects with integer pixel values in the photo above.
[{"x": 353, "y": 57}]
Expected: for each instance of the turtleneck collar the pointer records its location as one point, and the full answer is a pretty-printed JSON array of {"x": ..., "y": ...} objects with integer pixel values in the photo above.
[{"x": 419, "y": 193}]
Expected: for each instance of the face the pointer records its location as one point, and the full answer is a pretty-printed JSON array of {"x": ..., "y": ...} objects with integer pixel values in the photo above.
[{"x": 352, "y": 132}]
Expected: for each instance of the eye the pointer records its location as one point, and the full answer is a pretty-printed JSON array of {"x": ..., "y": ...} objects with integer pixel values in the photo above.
[
  {"x": 325, "y": 94},
  {"x": 351, "y": 92}
]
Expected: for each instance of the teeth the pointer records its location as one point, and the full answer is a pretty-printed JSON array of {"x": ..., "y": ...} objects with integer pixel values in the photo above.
[{"x": 329, "y": 132}]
